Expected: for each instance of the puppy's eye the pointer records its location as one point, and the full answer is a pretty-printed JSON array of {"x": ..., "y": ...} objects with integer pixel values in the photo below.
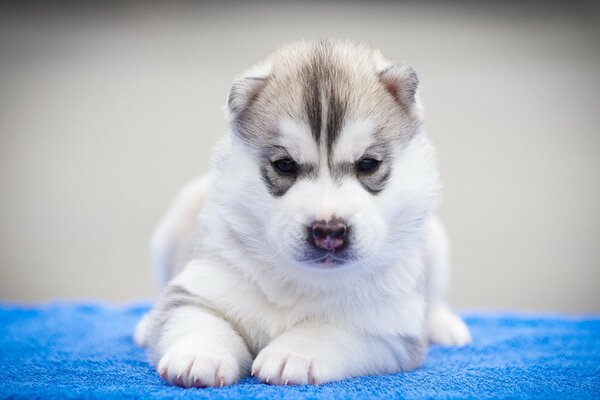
[
  {"x": 286, "y": 166},
  {"x": 367, "y": 165}
]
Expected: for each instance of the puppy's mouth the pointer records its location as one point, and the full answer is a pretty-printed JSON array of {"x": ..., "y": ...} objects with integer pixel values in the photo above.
[{"x": 329, "y": 260}]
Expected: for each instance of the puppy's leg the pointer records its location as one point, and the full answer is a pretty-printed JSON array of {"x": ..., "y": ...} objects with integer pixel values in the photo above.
[
  {"x": 172, "y": 243},
  {"x": 445, "y": 327},
  {"x": 313, "y": 353},
  {"x": 193, "y": 344}
]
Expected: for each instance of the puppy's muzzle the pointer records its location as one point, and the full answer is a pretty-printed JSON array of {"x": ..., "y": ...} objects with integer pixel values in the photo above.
[{"x": 329, "y": 235}]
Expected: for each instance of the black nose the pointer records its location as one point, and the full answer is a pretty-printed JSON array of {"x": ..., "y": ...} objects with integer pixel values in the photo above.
[{"x": 329, "y": 235}]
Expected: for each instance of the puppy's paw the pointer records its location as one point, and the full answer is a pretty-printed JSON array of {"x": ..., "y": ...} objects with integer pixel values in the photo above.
[
  {"x": 446, "y": 328},
  {"x": 286, "y": 365},
  {"x": 140, "y": 333},
  {"x": 188, "y": 367}
]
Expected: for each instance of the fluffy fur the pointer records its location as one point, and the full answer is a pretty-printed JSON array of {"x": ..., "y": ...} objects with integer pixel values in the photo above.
[{"x": 246, "y": 288}]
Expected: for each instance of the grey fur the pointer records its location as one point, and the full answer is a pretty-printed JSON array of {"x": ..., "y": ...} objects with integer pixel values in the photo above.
[
  {"x": 325, "y": 82},
  {"x": 402, "y": 83},
  {"x": 172, "y": 298},
  {"x": 373, "y": 181},
  {"x": 376, "y": 181},
  {"x": 278, "y": 184},
  {"x": 311, "y": 97},
  {"x": 336, "y": 113},
  {"x": 416, "y": 350}
]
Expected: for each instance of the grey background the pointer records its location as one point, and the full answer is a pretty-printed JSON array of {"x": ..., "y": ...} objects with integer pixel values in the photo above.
[{"x": 106, "y": 112}]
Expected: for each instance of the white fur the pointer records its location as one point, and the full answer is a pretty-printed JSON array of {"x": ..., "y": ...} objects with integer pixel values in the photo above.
[
  {"x": 249, "y": 305},
  {"x": 295, "y": 136},
  {"x": 356, "y": 137}
]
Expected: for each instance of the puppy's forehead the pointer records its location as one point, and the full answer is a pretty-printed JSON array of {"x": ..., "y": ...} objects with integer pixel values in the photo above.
[
  {"x": 295, "y": 136},
  {"x": 355, "y": 137},
  {"x": 323, "y": 103},
  {"x": 352, "y": 141}
]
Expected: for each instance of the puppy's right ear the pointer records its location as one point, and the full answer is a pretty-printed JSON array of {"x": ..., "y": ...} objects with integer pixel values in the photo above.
[{"x": 243, "y": 92}]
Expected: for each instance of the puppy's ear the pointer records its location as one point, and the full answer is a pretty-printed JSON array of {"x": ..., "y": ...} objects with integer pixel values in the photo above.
[
  {"x": 243, "y": 92},
  {"x": 401, "y": 82}
]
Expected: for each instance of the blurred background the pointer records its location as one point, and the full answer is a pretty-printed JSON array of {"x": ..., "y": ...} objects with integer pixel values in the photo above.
[{"x": 107, "y": 108}]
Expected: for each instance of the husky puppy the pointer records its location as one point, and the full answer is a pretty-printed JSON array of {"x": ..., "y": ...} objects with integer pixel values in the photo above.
[{"x": 311, "y": 252}]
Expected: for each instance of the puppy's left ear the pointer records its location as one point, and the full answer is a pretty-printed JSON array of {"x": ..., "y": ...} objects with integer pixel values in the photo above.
[{"x": 401, "y": 82}]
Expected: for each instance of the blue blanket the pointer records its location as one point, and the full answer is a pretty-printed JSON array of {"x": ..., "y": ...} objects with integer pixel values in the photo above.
[{"x": 85, "y": 351}]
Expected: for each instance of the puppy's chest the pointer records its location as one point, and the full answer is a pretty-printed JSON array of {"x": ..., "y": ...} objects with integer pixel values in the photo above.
[
  {"x": 260, "y": 321},
  {"x": 250, "y": 308},
  {"x": 260, "y": 314}
]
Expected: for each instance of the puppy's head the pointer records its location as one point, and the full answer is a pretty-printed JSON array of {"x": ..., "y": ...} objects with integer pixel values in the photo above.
[{"x": 328, "y": 168}]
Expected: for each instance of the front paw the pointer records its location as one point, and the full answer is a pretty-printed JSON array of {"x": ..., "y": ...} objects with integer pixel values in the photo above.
[
  {"x": 292, "y": 365},
  {"x": 187, "y": 367},
  {"x": 447, "y": 329}
]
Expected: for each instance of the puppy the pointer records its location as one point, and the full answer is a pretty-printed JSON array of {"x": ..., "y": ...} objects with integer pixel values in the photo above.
[{"x": 311, "y": 252}]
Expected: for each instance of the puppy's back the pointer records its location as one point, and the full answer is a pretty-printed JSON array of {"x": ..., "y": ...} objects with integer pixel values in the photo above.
[{"x": 172, "y": 244}]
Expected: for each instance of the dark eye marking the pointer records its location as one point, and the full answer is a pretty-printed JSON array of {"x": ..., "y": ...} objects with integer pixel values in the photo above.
[
  {"x": 285, "y": 166},
  {"x": 280, "y": 171},
  {"x": 373, "y": 169},
  {"x": 367, "y": 165}
]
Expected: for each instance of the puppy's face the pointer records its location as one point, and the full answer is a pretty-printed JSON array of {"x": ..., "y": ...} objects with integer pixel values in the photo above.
[{"x": 337, "y": 171}]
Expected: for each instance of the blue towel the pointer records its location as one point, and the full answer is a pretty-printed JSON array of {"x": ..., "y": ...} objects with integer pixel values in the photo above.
[{"x": 66, "y": 350}]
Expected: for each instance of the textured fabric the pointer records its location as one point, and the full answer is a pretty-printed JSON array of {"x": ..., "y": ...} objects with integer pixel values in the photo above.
[{"x": 86, "y": 351}]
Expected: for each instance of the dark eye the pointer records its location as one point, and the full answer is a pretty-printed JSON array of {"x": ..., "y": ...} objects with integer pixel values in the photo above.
[
  {"x": 367, "y": 165},
  {"x": 286, "y": 166}
]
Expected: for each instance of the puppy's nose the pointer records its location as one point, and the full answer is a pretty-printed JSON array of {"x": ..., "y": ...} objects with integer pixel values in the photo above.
[{"x": 330, "y": 235}]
